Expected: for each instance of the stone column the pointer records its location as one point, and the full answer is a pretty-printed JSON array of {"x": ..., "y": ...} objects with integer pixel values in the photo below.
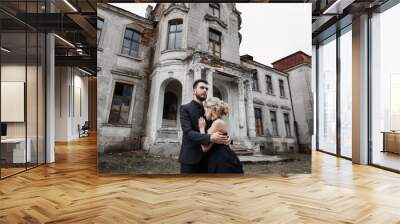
[
  {"x": 250, "y": 109},
  {"x": 241, "y": 109},
  {"x": 153, "y": 111},
  {"x": 210, "y": 77},
  {"x": 50, "y": 92},
  {"x": 187, "y": 91}
]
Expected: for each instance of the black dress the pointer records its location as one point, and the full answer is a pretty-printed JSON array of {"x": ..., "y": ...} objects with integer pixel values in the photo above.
[{"x": 221, "y": 159}]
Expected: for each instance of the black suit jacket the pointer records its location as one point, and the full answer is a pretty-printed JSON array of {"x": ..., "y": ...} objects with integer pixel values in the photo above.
[{"x": 192, "y": 139}]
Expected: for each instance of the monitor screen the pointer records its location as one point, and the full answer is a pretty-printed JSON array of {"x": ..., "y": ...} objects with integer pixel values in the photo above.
[{"x": 3, "y": 129}]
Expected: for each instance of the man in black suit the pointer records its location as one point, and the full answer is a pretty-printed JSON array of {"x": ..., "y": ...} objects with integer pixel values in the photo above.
[{"x": 192, "y": 157}]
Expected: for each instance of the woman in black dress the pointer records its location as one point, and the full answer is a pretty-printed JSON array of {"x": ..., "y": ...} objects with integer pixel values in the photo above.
[{"x": 221, "y": 159}]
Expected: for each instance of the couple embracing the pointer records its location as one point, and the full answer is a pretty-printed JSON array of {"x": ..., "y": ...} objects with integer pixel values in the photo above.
[{"x": 205, "y": 141}]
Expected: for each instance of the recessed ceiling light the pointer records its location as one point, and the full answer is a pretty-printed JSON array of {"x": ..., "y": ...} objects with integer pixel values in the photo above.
[
  {"x": 5, "y": 50},
  {"x": 85, "y": 71},
  {"x": 64, "y": 40},
  {"x": 70, "y": 5}
]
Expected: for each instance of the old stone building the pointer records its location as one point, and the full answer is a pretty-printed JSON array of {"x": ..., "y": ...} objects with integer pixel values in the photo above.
[
  {"x": 147, "y": 67},
  {"x": 298, "y": 68}
]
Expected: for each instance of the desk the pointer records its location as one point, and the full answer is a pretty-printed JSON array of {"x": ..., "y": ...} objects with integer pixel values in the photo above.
[
  {"x": 16, "y": 147},
  {"x": 391, "y": 142}
]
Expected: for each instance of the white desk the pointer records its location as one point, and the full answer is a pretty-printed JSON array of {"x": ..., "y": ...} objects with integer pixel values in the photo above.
[{"x": 18, "y": 149}]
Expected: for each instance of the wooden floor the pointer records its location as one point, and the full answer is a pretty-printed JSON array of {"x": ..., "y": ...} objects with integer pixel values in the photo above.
[
  {"x": 387, "y": 159},
  {"x": 71, "y": 191}
]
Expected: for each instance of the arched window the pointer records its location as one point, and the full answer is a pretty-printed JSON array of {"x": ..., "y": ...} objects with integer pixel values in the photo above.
[
  {"x": 170, "y": 106},
  {"x": 175, "y": 34}
]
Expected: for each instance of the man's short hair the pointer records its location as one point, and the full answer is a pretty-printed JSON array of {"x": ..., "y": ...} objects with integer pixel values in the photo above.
[{"x": 199, "y": 81}]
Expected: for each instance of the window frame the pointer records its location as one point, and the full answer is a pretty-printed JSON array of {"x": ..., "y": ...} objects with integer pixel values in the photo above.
[
  {"x": 282, "y": 91},
  {"x": 99, "y": 29},
  {"x": 287, "y": 124},
  {"x": 131, "y": 102},
  {"x": 255, "y": 86},
  {"x": 269, "y": 84},
  {"x": 132, "y": 41},
  {"x": 274, "y": 129},
  {"x": 214, "y": 43},
  {"x": 261, "y": 128},
  {"x": 215, "y": 7},
  {"x": 175, "y": 22}
]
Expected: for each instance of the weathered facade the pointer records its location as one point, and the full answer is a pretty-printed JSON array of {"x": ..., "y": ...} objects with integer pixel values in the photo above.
[
  {"x": 298, "y": 68},
  {"x": 158, "y": 58}
]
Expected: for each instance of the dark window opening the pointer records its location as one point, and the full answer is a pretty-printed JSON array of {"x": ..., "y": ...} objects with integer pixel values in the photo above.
[
  {"x": 258, "y": 119},
  {"x": 119, "y": 113},
  {"x": 170, "y": 106},
  {"x": 214, "y": 47},
  {"x": 270, "y": 89},
  {"x": 274, "y": 123}
]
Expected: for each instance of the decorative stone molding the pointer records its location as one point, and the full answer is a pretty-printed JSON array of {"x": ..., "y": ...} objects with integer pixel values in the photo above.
[
  {"x": 177, "y": 7},
  {"x": 136, "y": 26},
  {"x": 258, "y": 101},
  {"x": 286, "y": 108},
  {"x": 174, "y": 50},
  {"x": 130, "y": 57},
  {"x": 211, "y": 18},
  {"x": 206, "y": 58},
  {"x": 272, "y": 105},
  {"x": 127, "y": 72}
]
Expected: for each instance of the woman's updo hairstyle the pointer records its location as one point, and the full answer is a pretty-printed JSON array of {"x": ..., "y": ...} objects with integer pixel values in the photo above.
[{"x": 217, "y": 106}]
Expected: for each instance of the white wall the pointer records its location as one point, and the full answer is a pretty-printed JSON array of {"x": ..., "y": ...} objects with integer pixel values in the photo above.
[{"x": 70, "y": 84}]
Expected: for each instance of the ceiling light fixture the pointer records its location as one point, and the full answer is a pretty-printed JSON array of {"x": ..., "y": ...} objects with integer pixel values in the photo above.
[
  {"x": 338, "y": 6},
  {"x": 70, "y": 5},
  {"x": 64, "y": 40},
  {"x": 5, "y": 50}
]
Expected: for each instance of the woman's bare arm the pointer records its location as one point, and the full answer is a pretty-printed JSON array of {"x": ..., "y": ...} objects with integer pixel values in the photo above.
[{"x": 217, "y": 126}]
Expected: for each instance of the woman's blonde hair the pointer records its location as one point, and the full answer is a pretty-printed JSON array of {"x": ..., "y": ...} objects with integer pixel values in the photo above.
[{"x": 217, "y": 106}]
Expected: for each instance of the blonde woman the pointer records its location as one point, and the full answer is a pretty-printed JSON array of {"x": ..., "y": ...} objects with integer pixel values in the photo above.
[{"x": 221, "y": 159}]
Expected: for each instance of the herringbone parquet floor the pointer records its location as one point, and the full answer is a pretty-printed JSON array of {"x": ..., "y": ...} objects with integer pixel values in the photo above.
[{"x": 71, "y": 191}]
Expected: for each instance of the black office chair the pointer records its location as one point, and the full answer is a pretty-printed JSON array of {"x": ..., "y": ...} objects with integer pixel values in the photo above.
[{"x": 84, "y": 130}]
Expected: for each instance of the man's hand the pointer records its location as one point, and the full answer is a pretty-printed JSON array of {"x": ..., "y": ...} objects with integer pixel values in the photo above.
[
  {"x": 228, "y": 141},
  {"x": 219, "y": 138},
  {"x": 202, "y": 123}
]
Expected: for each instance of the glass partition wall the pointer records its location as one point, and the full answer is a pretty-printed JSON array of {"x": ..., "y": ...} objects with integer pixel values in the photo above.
[
  {"x": 22, "y": 98},
  {"x": 327, "y": 95},
  {"x": 345, "y": 62},
  {"x": 334, "y": 94},
  {"x": 334, "y": 90},
  {"x": 385, "y": 89}
]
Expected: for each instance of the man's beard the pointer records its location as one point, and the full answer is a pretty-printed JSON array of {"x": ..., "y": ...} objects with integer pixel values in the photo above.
[{"x": 201, "y": 98}]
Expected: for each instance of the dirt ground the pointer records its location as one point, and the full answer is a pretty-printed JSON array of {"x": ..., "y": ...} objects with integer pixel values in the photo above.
[{"x": 138, "y": 162}]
